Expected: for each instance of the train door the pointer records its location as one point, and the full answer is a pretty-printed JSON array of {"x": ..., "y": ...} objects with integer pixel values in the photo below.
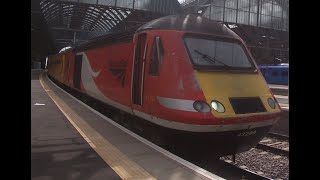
[
  {"x": 275, "y": 76},
  {"x": 66, "y": 69},
  {"x": 284, "y": 76},
  {"x": 267, "y": 75},
  {"x": 77, "y": 71},
  {"x": 61, "y": 66},
  {"x": 154, "y": 61},
  {"x": 139, "y": 71}
]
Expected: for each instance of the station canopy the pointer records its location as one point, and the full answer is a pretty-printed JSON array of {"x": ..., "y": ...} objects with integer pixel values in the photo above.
[
  {"x": 72, "y": 22},
  {"x": 55, "y": 24},
  {"x": 262, "y": 24}
]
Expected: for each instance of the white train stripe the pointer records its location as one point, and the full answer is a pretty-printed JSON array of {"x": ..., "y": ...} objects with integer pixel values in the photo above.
[{"x": 177, "y": 104}]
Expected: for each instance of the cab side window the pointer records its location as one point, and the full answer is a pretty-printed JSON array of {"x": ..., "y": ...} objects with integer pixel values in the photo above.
[{"x": 156, "y": 57}]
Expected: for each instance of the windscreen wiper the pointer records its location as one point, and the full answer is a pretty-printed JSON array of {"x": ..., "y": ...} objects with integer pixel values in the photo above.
[{"x": 211, "y": 58}]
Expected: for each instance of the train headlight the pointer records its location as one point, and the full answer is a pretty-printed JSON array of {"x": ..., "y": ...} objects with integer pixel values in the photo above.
[
  {"x": 201, "y": 106},
  {"x": 271, "y": 103},
  {"x": 217, "y": 106}
]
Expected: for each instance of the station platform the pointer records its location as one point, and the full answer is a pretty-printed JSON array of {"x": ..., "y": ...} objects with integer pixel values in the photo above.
[
  {"x": 283, "y": 102},
  {"x": 69, "y": 140},
  {"x": 281, "y": 93},
  {"x": 279, "y": 89},
  {"x": 276, "y": 86}
]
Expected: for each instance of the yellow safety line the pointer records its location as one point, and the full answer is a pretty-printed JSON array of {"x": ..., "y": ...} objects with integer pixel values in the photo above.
[{"x": 118, "y": 161}]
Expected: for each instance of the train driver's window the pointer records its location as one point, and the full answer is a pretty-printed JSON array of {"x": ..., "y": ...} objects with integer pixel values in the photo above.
[
  {"x": 274, "y": 73},
  {"x": 156, "y": 56}
]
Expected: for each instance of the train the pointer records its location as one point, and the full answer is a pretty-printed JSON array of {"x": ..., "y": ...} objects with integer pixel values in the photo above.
[
  {"x": 275, "y": 74},
  {"x": 186, "y": 74}
]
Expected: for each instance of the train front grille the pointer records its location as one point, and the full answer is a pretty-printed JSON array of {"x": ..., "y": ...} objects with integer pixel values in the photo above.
[{"x": 245, "y": 105}]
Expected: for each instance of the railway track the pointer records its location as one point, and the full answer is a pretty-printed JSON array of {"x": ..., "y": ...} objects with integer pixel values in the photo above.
[
  {"x": 275, "y": 143},
  {"x": 242, "y": 172},
  {"x": 278, "y": 136},
  {"x": 272, "y": 149}
]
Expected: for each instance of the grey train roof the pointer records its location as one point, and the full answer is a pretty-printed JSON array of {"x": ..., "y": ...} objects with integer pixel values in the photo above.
[{"x": 190, "y": 23}]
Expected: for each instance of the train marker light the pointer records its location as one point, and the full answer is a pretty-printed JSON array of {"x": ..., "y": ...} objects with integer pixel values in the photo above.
[
  {"x": 271, "y": 103},
  {"x": 217, "y": 106},
  {"x": 201, "y": 106}
]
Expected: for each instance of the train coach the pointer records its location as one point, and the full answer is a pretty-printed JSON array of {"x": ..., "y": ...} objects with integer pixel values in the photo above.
[
  {"x": 184, "y": 73},
  {"x": 277, "y": 74}
]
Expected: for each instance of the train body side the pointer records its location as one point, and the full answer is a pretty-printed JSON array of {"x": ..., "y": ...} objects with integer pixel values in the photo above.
[{"x": 104, "y": 73}]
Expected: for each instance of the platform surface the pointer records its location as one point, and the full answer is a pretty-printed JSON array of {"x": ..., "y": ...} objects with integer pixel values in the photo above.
[
  {"x": 99, "y": 151},
  {"x": 276, "y": 86},
  {"x": 58, "y": 151},
  {"x": 283, "y": 101}
]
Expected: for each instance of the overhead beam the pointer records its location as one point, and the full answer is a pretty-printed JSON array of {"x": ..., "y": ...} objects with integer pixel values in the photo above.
[
  {"x": 70, "y": 40},
  {"x": 76, "y": 30}
]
